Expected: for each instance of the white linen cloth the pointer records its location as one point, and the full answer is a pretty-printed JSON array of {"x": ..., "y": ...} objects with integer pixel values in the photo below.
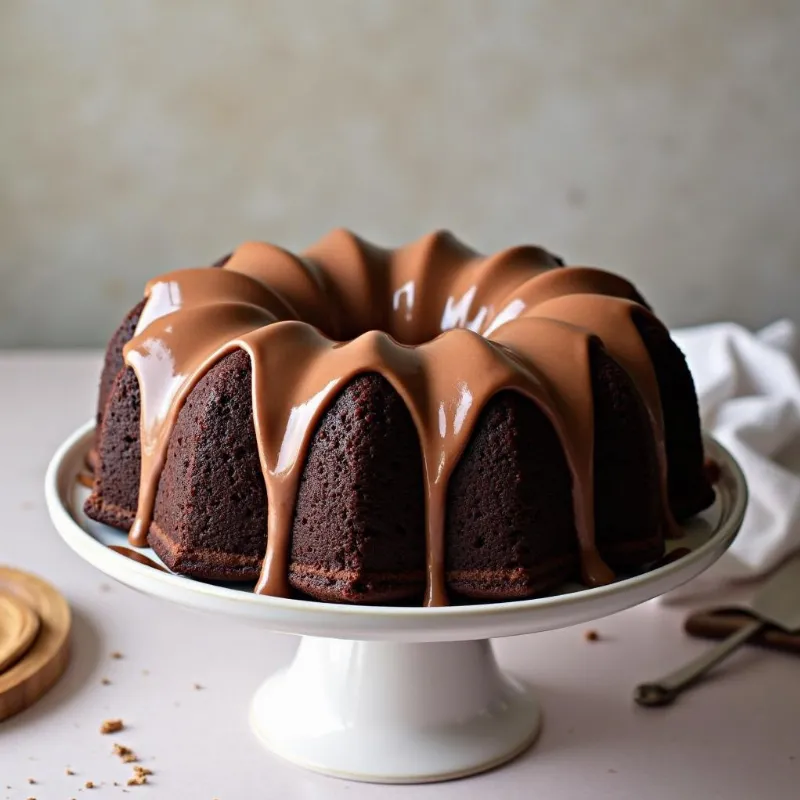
[{"x": 748, "y": 385}]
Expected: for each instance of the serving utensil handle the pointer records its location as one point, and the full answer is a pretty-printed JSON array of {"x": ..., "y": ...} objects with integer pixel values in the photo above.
[{"x": 665, "y": 690}]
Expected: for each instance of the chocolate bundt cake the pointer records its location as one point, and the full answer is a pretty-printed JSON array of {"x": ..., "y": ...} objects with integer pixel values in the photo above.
[{"x": 365, "y": 425}]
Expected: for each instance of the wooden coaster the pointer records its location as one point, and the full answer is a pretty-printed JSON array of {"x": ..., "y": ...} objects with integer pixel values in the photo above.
[
  {"x": 43, "y": 660},
  {"x": 19, "y": 626}
]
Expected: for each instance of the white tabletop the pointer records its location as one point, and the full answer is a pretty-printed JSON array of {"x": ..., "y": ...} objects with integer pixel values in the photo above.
[{"x": 736, "y": 736}]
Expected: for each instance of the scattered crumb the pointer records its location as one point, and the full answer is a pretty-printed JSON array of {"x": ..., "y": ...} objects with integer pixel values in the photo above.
[
  {"x": 89, "y": 784},
  {"x": 137, "y": 780},
  {"x": 68, "y": 771},
  {"x": 116, "y": 654},
  {"x": 125, "y": 753},
  {"x": 105, "y": 681},
  {"x": 197, "y": 687},
  {"x": 111, "y": 726},
  {"x": 591, "y": 636},
  {"x": 141, "y": 772},
  {"x": 31, "y": 780}
]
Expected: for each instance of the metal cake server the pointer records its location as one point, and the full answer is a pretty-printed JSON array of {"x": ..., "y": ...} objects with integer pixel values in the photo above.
[{"x": 776, "y": 603}]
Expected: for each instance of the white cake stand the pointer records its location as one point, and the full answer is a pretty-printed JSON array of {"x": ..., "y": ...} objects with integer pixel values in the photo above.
[{"x": 387, "y": 694}]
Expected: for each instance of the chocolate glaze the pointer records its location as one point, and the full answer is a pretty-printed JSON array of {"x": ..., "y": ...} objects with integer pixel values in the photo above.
[
  {"x": 136, "y": 556},
  {"x": 672, "y": 557},
  {"x": 446, "y": 327},
  {"x": 85, "y": 479}
]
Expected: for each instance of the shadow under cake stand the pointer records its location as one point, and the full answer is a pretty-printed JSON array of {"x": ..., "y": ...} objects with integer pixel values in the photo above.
[{"x": 390, "y": 694}]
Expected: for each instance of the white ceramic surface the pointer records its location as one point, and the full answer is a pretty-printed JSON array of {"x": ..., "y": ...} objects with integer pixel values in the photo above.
[
  {"x": 385, "y": 706},
  {"x": 395, "y": 712}
]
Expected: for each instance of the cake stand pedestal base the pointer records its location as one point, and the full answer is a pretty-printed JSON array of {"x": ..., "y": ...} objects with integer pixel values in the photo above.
[{"x": 395, "y": 712}]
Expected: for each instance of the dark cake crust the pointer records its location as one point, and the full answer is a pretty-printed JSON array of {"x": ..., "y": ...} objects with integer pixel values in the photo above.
[
  {"x": 359, "y": 524},
  {"x": 210, "y": 515},
  {"x": 118, "y": 456},
  {"x": 628, "y": 514},
  {"x": 114, "y": 361},
  {"x": 689, "y": 488},
  {"x": 510, "y": 531}
]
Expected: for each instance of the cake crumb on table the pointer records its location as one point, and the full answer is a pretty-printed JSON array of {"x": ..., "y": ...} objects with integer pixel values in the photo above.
[
  {"x": 105, "y": 681},
  {"x": 31, "y": 780},
  {"x": 197, "y": 686},
  {"x": 89, "y": 784},
  {"x": 68, "y": 771},
  {"x": 139, "y": 777},
  {"x": 116, "y": 654},
  {"x": 125, "y": 753},
  {"x": 111, "y": 726},
  {"x": 591, "y": 636}
]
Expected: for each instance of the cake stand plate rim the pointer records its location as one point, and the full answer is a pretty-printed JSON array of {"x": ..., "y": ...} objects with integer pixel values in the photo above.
[{"x": 383, "y": 622}]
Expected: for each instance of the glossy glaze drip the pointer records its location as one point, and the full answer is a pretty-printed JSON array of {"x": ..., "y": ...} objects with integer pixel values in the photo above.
[
  {"x": 614, "y": 321},
  {"x": 510, "y": 321},
  {"x": 85, "y": 478},
  {"x": 135, "y": 555}
]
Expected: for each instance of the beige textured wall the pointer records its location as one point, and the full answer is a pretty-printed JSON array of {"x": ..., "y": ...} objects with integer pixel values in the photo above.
[{"x": 659, "y": 139}]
